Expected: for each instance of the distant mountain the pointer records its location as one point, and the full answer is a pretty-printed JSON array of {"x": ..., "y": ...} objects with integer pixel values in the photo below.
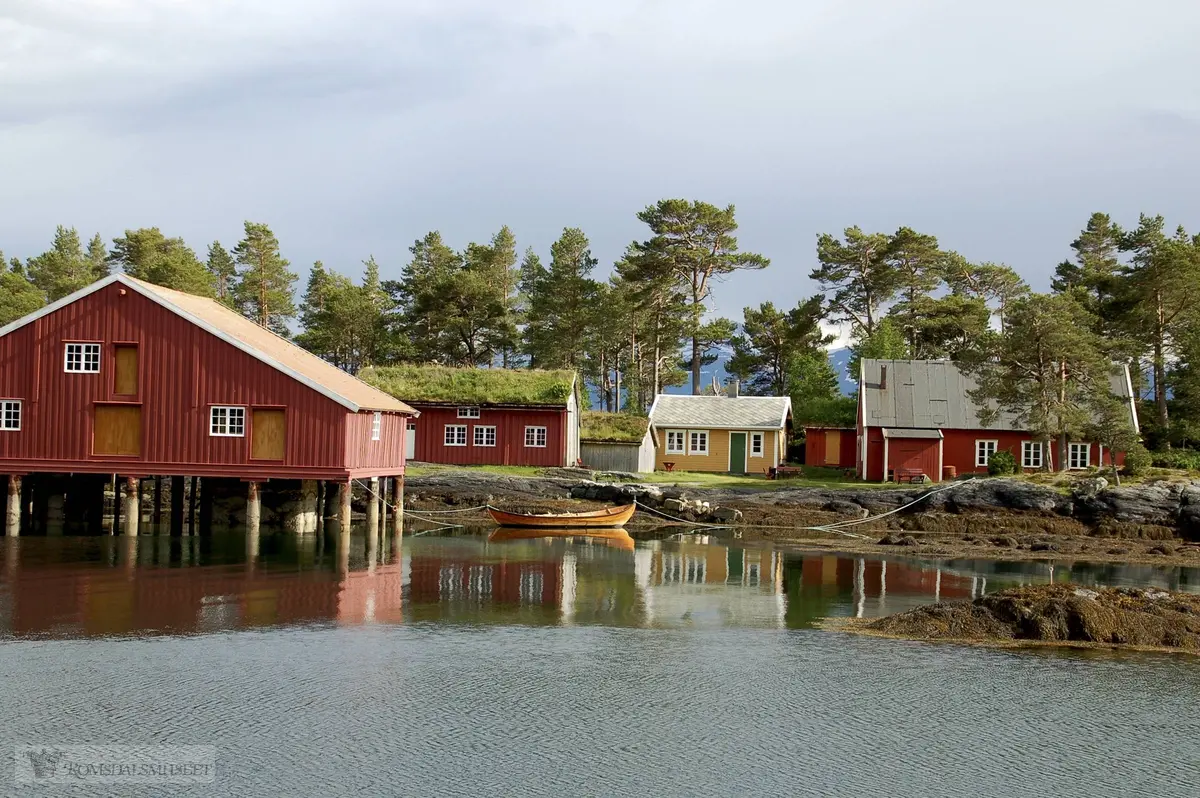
[{"x": 840, "y": 360}]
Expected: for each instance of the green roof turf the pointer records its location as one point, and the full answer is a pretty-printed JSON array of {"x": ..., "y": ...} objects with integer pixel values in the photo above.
[
  {"x": 467, "y": 386},
  {"x": 613, "y": 427}
]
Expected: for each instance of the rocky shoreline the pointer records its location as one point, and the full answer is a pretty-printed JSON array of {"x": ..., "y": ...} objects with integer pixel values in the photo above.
[
  {"x": 1001, "y": 518},
  {"x": 1133, "y": 618}
]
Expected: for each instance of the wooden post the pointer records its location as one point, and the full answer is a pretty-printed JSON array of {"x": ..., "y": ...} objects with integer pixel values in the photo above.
[
  {"x": 344, "y": 505},
  {"x": 12, "y": 509},
  {"x": 177, "y": 488},
  {"x": 206, "y": 505},
  {"x": 116, "y": 517},
  {"x": 132, "y": 509},
  {"x": 373, "y": 506},
  {"x": 398, "y": 504},
  {"x": 253, "y": 508},
  {"x": 192, "y": 506},
  {"x": 309, "y": 490}
]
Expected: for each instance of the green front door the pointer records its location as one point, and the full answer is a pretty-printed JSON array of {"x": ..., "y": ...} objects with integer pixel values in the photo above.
[{"x": 737, "y": 453}]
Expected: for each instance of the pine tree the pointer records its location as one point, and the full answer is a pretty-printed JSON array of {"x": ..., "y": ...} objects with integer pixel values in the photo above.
[
  {"x": 918, "y": 265},
  {"x": 886, "y": 343},
  {"x": 1048, "y": 368},
  {"x": 223, "y": 269},
  {"x": 64, "y": 268},
  {"x": 265, "y": 288},
  {"x": 857, "y": 277},
  {"x": 503, "y": 263},
  {"x": 563, "y": 303},
  {"x": 692, "y": 244},
  {"x": 97, "y": 255},
  {"x": 315, "y": 336},
  {"x": 18, "y": 296},
  {"x": 149, "y": 255},
  {"x": 996, "y": 284},
  {"x": 417, "y": 296},
  {"x": 765, "y": 351}
]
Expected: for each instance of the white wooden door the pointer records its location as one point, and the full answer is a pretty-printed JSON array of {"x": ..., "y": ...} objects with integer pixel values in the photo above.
[{"x": 410, "y": 441}]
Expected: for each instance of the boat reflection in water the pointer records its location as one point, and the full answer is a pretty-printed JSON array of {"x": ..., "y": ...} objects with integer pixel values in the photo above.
[{"x": 99, "y": 586}]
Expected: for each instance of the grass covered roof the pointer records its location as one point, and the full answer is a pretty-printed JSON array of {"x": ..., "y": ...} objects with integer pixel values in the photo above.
[
  {"x": 613, "y": 427},
  {"x": 467, "y": 386}
]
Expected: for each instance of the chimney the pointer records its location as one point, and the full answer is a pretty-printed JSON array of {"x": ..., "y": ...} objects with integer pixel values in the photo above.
[
  {"x": 733, "y": 389},
  {"x": 883, "y": 378}
]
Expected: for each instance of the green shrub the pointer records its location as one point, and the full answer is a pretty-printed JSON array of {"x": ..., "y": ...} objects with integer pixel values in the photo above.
[
  {"x": 1001, "y": 463},
  {"x": 1174, "y": 458},
  {"x": 1138, "y": 460}
]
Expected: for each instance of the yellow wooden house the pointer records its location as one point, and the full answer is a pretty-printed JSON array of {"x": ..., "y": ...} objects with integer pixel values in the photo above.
[{"x": 727, "y": 434}]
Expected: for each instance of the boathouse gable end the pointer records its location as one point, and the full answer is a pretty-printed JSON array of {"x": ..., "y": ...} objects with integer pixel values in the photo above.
[{"x": 157, "y": 389}]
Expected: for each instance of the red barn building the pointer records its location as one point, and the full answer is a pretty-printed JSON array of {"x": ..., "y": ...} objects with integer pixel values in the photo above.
[
  {"x": 125, "y": 377},
  {"x": 916, "y": 417},
  {"x": 520, "y": 417}
]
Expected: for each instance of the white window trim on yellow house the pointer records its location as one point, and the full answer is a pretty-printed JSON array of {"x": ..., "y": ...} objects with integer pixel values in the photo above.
[
  {"x": 693, "y": 437},
  {"x": 683, "y": 439}
]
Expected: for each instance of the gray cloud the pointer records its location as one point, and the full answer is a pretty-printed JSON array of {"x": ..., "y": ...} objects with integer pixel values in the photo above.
[{"x": 353, "y": 127}]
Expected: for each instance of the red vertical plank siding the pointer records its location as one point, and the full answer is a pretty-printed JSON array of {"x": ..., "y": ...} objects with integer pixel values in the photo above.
[
  {"x": 182, "y": 370},
  {"x": 510, "y": 448},
  {"x": 814, "y": 446},
  {"x": 384, "y": 457}
]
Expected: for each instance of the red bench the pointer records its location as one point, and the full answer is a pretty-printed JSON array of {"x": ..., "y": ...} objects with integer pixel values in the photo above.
[{"x": 910, "y": 475}]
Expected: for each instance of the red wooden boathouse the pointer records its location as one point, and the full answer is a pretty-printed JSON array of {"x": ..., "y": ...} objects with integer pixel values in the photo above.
[
  {"x": 916, "y": 417},
  {"x": 128, "y": 377}
]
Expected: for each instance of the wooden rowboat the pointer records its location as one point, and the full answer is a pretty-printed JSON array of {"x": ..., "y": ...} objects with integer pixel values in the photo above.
[
  {"x": 606, "y": 518},
  {"x": 616, "y": 538}
]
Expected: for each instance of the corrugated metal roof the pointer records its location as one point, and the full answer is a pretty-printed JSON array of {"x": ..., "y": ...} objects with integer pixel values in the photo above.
[
  {"x": 933, "y": 394},
  {"x": 720, "y": 412}
]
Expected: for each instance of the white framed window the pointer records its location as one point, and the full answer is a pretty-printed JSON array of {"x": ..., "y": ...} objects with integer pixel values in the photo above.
[
  {"x": 698, "y": 442},
  {"x": 984, "y": 451},
  {"x": 1031, "y": 454},
  {"x": 676, "y": 441},
  {"x": 535, "y": 437},
  {"x": 1079, "y": 455},
  {"x": 227, "y": 421},
  {"x": 82, "y": 358},
  {"x": 456, "y": 435},
  {"x": 485, "y": 436},
  {"x": 756, "y": 444},
  {"x": 376, "y": 426},
  {"x": 468, "y": 412},
  {"x": 10, "y": 415}
]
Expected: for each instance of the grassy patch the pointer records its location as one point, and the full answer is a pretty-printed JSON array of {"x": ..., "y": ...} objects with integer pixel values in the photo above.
[
  {"x": 472, "y": 386},
  {"x": 814, "y": 477},
  {"x": 613, "y": 427}
]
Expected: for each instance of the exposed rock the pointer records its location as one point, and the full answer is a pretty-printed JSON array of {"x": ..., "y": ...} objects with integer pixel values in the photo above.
[
  {"x": 898, "y": 540},
  {"x": 677, "y": 505},
  {"x": 845, "y": 508},
  {"x": 1058, "y": 613},
  {"x": 1042, "y": 545},
  {"x": 1089, "y": 488},
  {"x": 727, "y": 515}
]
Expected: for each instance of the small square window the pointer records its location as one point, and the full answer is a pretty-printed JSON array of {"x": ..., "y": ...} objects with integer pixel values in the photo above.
[
  {"x": 485, "y": 436},
  {"x": 10, "y": 415},
  {"x": 376, "y": 426},
  {"x": 698, "y": 442},
  {"x": 676, "y": 441},
  {"x": 456, "y": 435},
  {"x": 226, "y": 421},
  {"x": 535, "y": 437},
  {"x": 984, "y": 451},
  {"x": 82, "y": 358},
  {"x": 468, "y": 412},
  {"x": 756, "y": 444}
]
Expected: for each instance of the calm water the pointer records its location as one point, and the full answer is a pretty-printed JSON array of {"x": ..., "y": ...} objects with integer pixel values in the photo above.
[{"x": 455, "y": 666}]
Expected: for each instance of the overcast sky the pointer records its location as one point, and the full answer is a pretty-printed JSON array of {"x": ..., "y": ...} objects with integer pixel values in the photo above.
[{"x": 353, "y": 127}]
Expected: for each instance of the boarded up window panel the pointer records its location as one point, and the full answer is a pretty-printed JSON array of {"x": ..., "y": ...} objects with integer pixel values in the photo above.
[
  {"x": 268, "y": 434},
  {"x": 833, "y": 446},
  {"x": 126, "y": 379},
  {"x": 118, "y": 430}
]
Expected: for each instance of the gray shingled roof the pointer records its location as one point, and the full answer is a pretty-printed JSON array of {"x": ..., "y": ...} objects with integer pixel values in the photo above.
[
  {"x": 720, "y": 412},
  {"x": 932, "y": 394}
]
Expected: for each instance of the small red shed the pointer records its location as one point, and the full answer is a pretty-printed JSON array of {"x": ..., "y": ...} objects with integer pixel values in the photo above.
[
  {"x": 830, "y": 447},
  {"x": 128, "y": 377},
  {"x": 917, "y": 416},
  {"x": 492, "y": 416}
]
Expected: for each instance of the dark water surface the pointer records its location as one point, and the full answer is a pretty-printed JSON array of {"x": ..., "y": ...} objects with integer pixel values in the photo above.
[{"x": 455, "y": 666}]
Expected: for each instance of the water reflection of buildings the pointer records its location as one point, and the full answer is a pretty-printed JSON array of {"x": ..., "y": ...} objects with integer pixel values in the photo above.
[{"x": 70, "y": 599}]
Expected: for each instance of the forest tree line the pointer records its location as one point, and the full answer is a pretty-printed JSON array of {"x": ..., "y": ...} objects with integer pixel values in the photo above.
[{"x": 1124, "y": 296}]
